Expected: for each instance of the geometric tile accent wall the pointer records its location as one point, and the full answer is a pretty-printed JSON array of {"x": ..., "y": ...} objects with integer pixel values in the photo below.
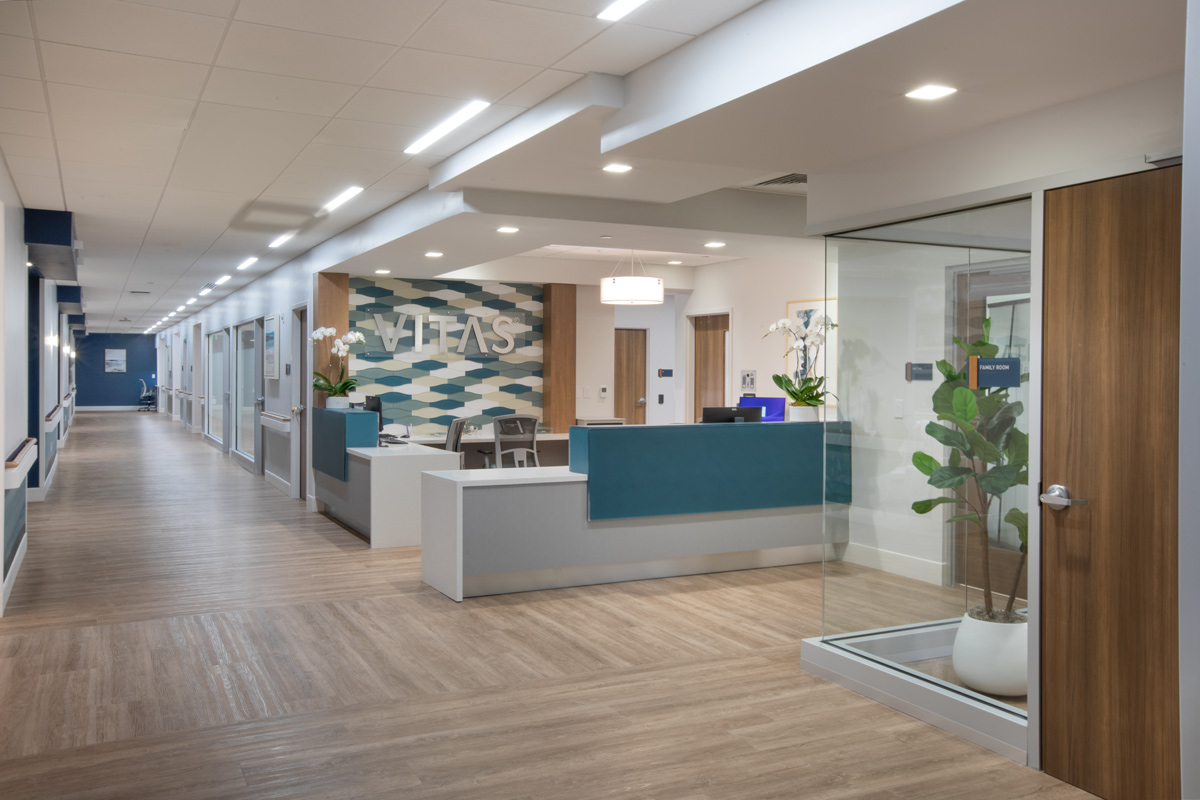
[{"x": 437, "y": 350}]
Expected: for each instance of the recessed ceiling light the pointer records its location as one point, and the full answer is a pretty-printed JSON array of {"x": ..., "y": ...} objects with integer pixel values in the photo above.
[
  {"x": 674, "y": 262},
  {"x": 29, "y": 263},
  {"x": 179, "y": 309},
  {"x": 282, "y": 238},
  {"x": 619, "y": 9},
  {"x": 433, "y": 254},
  {"x": 714, "y": 244},
  {"x": 171, "y": 314},
  {"x": 222, "y": 279},
  {"x": 507, "y": 229},
  {"x": 190, "y": 301},
  {"x": 249, "y": 261},
  {"x": 341, "y": 198},
  {"x": 617, "y": 168},
  {"x": 457, "y": 118},
  {"x": 205, "y": 291},
  {"x": 931, "y": 92},
  {"x": 605, "y": 236},
  {"x": 383, "y": 272}
]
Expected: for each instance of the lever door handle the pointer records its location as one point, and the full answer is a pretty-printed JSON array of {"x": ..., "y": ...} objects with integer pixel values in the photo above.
[{"x": 1058, "y": 498}]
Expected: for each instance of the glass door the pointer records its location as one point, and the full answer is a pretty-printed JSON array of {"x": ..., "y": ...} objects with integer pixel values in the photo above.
[
  {"x": 247, "y": 396},
  {"x": 217, "y": 392}
]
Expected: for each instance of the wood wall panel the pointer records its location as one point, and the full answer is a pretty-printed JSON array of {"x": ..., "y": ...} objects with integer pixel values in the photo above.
[
  {"x": 629, "y": 378},
  {"x": 1110, "y": 679},
  {"x": 710, "y": 361},
  {"x": 558, "y": 356},
  {"x": 331, "y": 298}
]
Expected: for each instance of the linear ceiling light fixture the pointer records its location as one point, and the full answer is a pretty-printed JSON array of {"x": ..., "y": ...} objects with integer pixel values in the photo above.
[
  {"x": 179, "y": 309},
  {"x": 190, "y": 301},
  {"x": 171, "y": 314},
  {"x": 383, "y": 272},
  {"x": 350, "y": 193},
  {"x": 931, "y": 92},
  {"x": 617, "y": 168},
  {"x": 631, "y": 289},
  {"x": 205, "y": 291},
  {"x": 434, "y": 254},
  {"x": 507, "y": 229},
  {"x": 222, "y": 279},
  {"x": 714, "y": 245},
  {"x": 248, "y": 262},
  {"x": 282, "y": 238},
  {"x": 457, "y": 118},
  {"x": 619, "y": 9},
  {"x": 674, "y": 263}
]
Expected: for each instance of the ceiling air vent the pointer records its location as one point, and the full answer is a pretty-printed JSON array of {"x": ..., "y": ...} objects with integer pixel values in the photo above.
[{"x": 793, "y": 183}]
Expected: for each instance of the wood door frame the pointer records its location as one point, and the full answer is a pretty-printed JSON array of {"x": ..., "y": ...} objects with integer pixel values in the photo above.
[
  {"x": 689, "y": 409},
  {"x": 300, "y": 396}
]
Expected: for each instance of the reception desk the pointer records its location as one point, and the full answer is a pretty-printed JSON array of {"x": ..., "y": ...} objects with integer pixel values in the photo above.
[{"x": 636, "y": 502}]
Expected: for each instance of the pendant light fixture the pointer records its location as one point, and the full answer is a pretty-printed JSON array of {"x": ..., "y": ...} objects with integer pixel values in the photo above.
[{"x": 631, "y": 289}]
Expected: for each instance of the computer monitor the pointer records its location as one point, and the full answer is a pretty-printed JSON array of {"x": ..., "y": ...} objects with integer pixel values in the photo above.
[
  {"x": 373, "y": 403},
  {"x": 732, "y": 414},
  {"x": 773, "y": 407}
]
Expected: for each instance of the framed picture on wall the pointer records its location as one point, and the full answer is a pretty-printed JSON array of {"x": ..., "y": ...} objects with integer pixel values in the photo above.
[
  {"x": 114, "y": 360},
  {"x": 271, "y": 347},
  {"x": 802, "y": 313}
]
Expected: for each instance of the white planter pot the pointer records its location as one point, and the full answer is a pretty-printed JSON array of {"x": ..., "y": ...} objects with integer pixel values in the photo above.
[
  {"x": 337, "y": 402},
  {"x": 992, "y": 657},
  {"x": 803, "y": 413}
]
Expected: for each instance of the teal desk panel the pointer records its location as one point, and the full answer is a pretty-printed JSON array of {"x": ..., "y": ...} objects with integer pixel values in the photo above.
[
  {"x": 335, "y": 429},
  {"x": 642, "y": 471}
]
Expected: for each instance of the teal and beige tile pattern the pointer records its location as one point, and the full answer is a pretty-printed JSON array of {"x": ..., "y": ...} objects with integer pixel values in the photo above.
[{"x": 415, "y": 358}]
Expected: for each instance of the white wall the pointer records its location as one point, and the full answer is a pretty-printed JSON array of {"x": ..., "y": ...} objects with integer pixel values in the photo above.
[
  {"x": 660, "y": 323},
  {"x": 48, "y": 337},
  {"x": 594, "y": 356},
  {"x": 1110, "y": 132},
  {"x": 1189, "y": 426},
  {"x": 14, "y": 359}
]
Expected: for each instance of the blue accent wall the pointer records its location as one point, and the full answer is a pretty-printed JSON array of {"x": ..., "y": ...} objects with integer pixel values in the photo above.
[{"x": 99, "y": 388}]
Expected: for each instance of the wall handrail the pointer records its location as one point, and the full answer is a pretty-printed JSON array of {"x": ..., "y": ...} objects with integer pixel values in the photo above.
[
  {"x": 55, "y": 412},
  {"x": 17, "y": 464},
  {"x": 276, "y": 417}
]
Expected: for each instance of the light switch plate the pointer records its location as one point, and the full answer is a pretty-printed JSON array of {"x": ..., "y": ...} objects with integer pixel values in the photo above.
[{"x": 603, "y": 392}]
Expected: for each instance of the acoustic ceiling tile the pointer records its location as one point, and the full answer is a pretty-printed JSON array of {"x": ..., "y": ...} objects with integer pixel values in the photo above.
[
  {"x": 14, "y": 19},
  {"x": 130, "y": 28},
  {"x": 213, "y": 8},
  {"x": 39, "y": 191},
  {"x": 298, "y": 54},
  {"x": 116, "y": 153},
  {"x": 138, "y": 176},
  {"x": 621, "y": 49},
  {"x": 29, "y": 146},
  {"x": 327, "y": 155},
  {"x": 586, "y": 8},
  {"x": 22, "y": 165},
  {"x": 18, "y": 58},
  {"x": 371, "y": 135},
  {"x": 505, "y": 32},
  {"x": 449, "y": 75},
  {"x": 92, "y": 106},
  {"x": 421, "y": 111},
  {"x": 693, "y": 17},
  {"x": 277, "y": 92},
  {"x": 124, "y": 72},
  {"x": 24, "y": 123},
  {"x": 22, "y": 94},
  {"x": 389, "y": 21},
  {"x": 545, "y": 84}
]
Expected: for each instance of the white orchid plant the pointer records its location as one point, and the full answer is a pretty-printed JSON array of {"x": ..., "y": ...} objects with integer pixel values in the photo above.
[
  {"x": 806, "y": 343},
  {"x": 341, "y": 350}
]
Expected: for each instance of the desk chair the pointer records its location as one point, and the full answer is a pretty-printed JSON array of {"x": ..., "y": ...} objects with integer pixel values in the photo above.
[
  {"x": 454, "y": 434},
  {"x": 516, "y": 435},
  {"x": 148, "y": 398}
]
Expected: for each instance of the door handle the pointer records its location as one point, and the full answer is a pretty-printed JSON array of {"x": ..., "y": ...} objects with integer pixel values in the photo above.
[
  {"x": 641, "y": 401},
  {"x": 258, "y": 401},
  {"x": 297, "y": 409},
  {"x": 1058, "y": 498}
]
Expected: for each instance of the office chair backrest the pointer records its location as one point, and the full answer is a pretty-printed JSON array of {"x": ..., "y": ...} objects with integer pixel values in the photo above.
[
  {"x": 516, "y": 435},
  {"x": 454, "y": 435}
]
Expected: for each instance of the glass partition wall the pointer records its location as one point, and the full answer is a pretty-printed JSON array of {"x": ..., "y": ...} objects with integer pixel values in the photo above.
[{"x": 931, "y": 545}]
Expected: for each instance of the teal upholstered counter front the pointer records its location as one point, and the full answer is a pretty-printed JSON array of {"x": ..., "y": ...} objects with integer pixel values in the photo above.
[
  {"x": 654, "y": 471},
  {"x": 334, "y": 430}
]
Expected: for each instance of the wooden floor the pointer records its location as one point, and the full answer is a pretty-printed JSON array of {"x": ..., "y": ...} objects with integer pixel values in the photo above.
[{"x": 182, "y": 630}]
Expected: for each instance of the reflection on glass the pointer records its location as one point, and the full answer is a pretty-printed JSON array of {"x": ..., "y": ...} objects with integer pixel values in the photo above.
[
  {"x": 244, "y": 404},
  {"x": 215, "y": 394},
  {"x": 899, "y": 579}
]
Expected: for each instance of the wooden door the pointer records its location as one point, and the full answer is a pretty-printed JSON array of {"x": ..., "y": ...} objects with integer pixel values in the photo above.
[
  {"x": 1110, "y": 683},
  {"x": 710, "y": 361},
  {"x": 629, "y": 383}
]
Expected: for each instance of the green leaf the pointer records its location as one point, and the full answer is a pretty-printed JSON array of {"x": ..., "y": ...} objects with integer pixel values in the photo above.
[
  {"x": 955, "y": 458},
  {"x": 982, "y": 448},
  {"x": 987, "y": 330},
  {"x": 992, "y": 402},
  {"x": 964, "y": 404},
  {"x": 1018, "y": 448},
  {"x": 1019, "y": 520},
  {"x": 943, "y": 397},
  {"x": 950, "y": 477},
  {"x": 948, "y": 371},
  {"x": 925, "y": 506},
  {"x": 970, "y": 516},
  {"x": 948, "y": 437},
  {"x": 998, "y": 480},
  {"x": 925, "y": 462}
]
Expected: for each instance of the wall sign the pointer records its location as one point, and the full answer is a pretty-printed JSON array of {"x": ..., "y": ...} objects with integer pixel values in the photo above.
[
  {"x": 993, "y": 373},
  {"x": 918, "y": 372}
]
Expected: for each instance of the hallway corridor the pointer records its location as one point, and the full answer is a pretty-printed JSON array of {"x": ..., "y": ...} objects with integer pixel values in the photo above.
[{"x": 182, "y": 630}]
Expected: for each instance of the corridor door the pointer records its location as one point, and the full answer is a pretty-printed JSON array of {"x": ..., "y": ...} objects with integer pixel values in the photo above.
[
  {"x": 629, "y": 382},
  {"x": 247, "y": 396},
  {"x": 1110, "y": 684},
  {"x": 710, "y": 373}
]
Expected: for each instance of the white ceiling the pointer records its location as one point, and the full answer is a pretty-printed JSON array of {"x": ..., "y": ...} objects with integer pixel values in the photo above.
[{"x": 187, "y": 134}]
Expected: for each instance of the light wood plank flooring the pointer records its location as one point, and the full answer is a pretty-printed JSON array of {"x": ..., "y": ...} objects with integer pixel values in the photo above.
[{"x": 182, "y": 630}]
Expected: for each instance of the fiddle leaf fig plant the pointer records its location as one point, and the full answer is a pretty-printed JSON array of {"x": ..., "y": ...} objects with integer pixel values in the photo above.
[{"x": 988, "y": 456}]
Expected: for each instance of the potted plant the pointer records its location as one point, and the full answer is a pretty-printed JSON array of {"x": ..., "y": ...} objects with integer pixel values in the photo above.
[
  {"x": 803, "y": 390},
  {"x": 988, "y": 456},
  {"x": 336, "y": 391}
]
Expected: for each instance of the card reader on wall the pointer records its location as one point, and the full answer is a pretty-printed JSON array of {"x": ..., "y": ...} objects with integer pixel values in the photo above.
[{"x": 666, "y": 373}]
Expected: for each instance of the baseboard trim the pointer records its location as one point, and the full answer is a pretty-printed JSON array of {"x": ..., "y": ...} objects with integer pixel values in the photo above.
[
  {"x": 277, "y": 482},
  {"x": 896, "y": 563},
  {"x": 36, "y": 494},
  {"x": 11, "y": 578},
  {"x": 107, "y": 408}
]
